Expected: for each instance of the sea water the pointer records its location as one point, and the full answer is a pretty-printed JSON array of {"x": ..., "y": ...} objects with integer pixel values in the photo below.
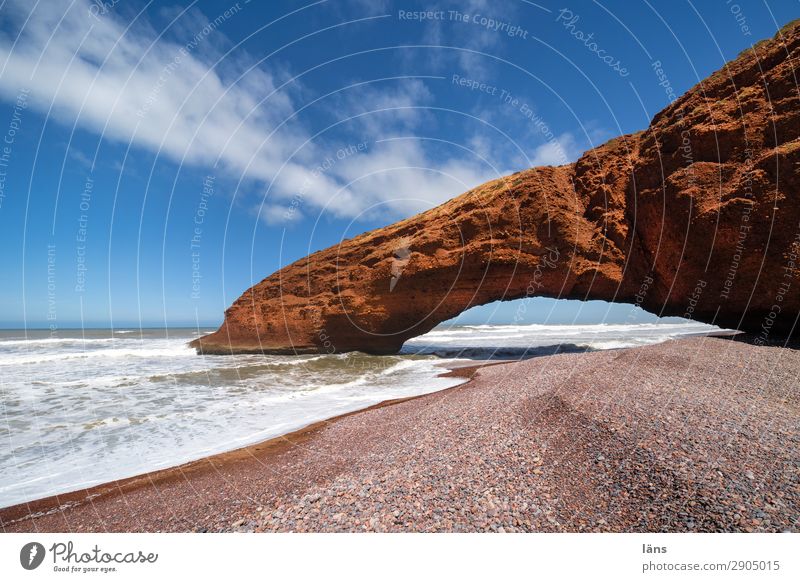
[{"x": 85, "y": 407}]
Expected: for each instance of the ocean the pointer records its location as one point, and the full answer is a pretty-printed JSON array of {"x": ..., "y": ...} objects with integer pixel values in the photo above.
[{"x": 87, "y": 407}]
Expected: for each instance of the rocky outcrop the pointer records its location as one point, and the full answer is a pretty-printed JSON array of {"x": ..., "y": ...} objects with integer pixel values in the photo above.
[{"x": 697, "y": 216}]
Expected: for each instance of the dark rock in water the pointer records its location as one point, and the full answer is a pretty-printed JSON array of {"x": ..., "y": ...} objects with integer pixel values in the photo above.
[{"x": 696, "y": 216}]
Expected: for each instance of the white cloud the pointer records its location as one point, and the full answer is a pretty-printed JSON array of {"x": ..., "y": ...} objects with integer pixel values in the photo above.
[
  {"x": 81, "y": 158},
  {"x": 370, "y": 7},
  {"x": 556, "y": 152},
  {"x": 158, "y": 94},
  {"x": 280, "y": 214},
  {"x": 381, "y": 109},
  {"x": 399, "y": 176},
  {"x": 390, "y": 178},
  {"x": 168, "y": 96},
  {"x": 474, "y": 40}
]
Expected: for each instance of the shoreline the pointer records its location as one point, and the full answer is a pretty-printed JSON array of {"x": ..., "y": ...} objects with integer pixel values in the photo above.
[
  {"x": 50, "y": 504},
  {"x": 697, "y": 434}
]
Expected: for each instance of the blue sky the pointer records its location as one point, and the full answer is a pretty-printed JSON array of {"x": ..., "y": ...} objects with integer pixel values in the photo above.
[{"x": 160, "y": 158}]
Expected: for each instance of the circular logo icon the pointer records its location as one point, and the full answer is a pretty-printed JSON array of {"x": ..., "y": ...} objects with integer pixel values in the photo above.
[{"x": 31, "y": 555}]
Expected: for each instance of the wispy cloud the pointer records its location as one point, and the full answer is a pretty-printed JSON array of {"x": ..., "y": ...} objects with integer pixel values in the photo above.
[
  {"x": 370, "y": 6},
  {"x": 181, "y": 95},
  {"x": 134, "y": 87},
  {"x": 557, "y": 151}
]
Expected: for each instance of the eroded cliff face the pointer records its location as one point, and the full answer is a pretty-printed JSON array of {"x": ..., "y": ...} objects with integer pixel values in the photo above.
[{"x": 697, "y": 216}]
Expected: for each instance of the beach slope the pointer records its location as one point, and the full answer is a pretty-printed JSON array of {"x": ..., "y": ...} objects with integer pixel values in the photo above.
[{"x": 698, "y": 434}]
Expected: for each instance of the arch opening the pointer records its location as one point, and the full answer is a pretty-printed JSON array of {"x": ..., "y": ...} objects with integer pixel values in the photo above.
[{"x": 539, "y": 326}]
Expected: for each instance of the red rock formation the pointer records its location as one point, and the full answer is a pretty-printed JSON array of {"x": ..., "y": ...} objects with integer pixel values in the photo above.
[{"x": 697, "y": 216}]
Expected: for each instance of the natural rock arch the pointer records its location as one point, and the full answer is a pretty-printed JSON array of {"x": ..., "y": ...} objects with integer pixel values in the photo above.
[{"x": 697, "y": 216}]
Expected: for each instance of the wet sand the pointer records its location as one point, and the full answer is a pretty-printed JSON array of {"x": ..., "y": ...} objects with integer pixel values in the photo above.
[{"x": 699, "y": 434}]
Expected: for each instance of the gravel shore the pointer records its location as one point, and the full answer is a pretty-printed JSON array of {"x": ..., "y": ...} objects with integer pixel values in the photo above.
[{"x": 699, "y": 434}]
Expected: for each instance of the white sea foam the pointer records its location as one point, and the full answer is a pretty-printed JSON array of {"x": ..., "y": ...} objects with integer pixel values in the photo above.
[{"x": 55, "y": 341}]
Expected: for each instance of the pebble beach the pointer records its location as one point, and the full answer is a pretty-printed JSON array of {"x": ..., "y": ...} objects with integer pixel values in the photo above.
[{"x": 697, "y": 434}]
